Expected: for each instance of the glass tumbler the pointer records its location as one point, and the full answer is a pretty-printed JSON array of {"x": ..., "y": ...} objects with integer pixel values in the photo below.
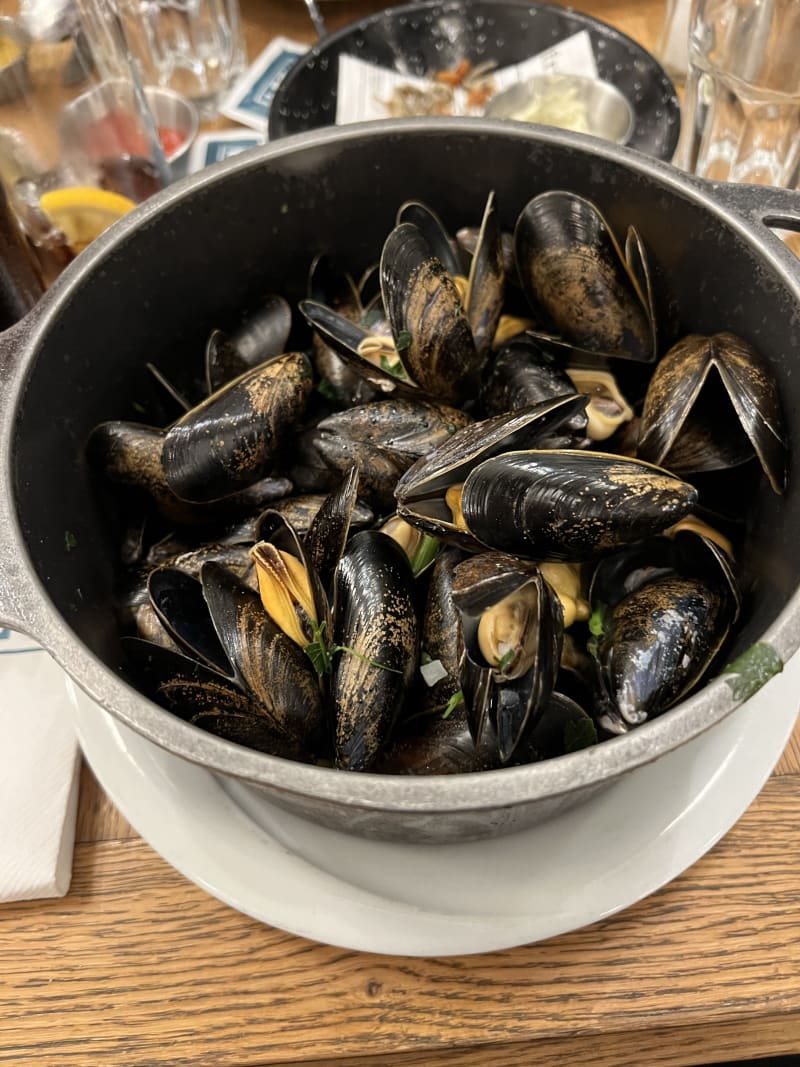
[
  {"x": 194, "y": 47},
  {"x": 741, "y": 119}
]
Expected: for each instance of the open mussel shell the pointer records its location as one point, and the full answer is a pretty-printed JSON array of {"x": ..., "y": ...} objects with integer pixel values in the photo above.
[
  {"x": 327, "y": 536},
  {"x": 178, "y": 601},
  {"x": 208, "y": 700},
  {"x": 427, "y": 318},
  {"x": 375, "y": 622},
  {"x": 569, "y": 505},
  {"x": 277, "y": 534},
  {"x": 223, "y": 362},
  {"x": 712, "y": 403},
  {"x": 421, "y": 492},
  {"x": 576, "y": 277},
  {"x": 433, "y": 230},
  {"x": 271, "y": 666},
  {"x": 345, "y": 337},
  {"x": 231, "y": 440},
  {"x": 486, "y": 283},
  {"x": 264, "y": 334},
  {"x": 512, "y": 626},
  {"x": 183, "y": 684}
]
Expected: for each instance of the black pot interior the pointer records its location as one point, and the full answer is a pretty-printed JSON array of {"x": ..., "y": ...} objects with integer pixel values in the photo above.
[
  {"x": 423, "y": 37},
  {"x": 254, "y": 228}
]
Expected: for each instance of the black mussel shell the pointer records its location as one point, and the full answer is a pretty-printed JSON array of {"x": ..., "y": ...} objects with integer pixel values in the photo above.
[
  {"x": 432, "y": 744},
  {"x": 432, "y": 228},
  {"x": 420, "y": 493},
  {"x": 570, "y": 505},
  {"x": 508, "y": 697},
  {"x": 696, "y": 420},
  {"x": 562, "y": 727},
  {"x": 231, "y": 440},
  {"x": 330, "y": 528},
  {"x": 375, "y": 619},
  {"x": 428, "y": 321},
  {"x": 657, "y": 643},
  {"x": 576, "y": 277},
  {"x": 486, "y": 284},
  {"x": 264, "y": 333},
  {"x": 269, "y": 664},
  {"x": 177, "y": 599},
  {"x": 524, "y": 374},
  {"x": 441, "y": 631}
]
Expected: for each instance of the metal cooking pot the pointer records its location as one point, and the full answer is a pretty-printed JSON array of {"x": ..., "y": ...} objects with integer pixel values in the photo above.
[{"x": 155, "y": 284}]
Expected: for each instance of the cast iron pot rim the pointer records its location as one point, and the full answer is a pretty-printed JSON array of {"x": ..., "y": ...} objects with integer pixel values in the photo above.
[
  {"x": 30, "y": 609},
  {"x": 590, "y": 22}
]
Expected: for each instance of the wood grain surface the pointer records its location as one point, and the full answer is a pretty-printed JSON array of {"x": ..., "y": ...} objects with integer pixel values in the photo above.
[{"x": 137, "y": 966}]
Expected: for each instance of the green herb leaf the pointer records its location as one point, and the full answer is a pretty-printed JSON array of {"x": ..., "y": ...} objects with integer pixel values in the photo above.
[
  {"x": 455, "y": 700},
  {"x": 425, "y": 657},
  {"x": 319, "y": 657},
  {"x": 505, "y": 660},
  {"x": 403, "y": 341},
  {"x": 70, "y": 540},
  {"x": 373, "y": 316},
  {"x": 389, "y": 365},
  {"x": 319, "y": 651},
  {"x": 324, "y": 388},
  {"x": 425, "y": 554},
  {"x": 579, "y": 733},
  {"x": 597, "y": 621},
  {"x": 333, "y": 649}
]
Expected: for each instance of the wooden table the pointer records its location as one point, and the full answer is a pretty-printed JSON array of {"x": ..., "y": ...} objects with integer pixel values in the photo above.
[{"x": 137, "y": 966}]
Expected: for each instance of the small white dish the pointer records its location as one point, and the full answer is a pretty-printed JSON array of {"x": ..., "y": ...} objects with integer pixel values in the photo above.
[{"x": 443, "y": 900}]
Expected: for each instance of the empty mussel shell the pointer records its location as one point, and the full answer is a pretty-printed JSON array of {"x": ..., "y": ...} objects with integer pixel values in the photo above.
[{"x": 712, "y": 403}]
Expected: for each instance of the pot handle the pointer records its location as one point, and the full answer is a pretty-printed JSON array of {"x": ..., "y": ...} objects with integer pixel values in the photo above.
[
  {"x": 767, "y": 206},
  {"x": 21, "y": 605}
]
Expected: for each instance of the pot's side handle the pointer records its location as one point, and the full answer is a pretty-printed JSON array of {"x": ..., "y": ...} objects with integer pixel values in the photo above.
[
  {"x": 774, "y": 209},
  {"x": 21, "y": 606}
]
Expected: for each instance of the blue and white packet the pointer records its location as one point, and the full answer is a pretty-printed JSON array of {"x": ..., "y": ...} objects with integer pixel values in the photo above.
[
  {"x": 249, "y": 99},
  {"x": 213, "y": 147}
]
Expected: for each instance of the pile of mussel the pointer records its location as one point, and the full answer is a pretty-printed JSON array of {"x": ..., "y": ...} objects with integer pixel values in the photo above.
[{"x": 473, "y": 519}]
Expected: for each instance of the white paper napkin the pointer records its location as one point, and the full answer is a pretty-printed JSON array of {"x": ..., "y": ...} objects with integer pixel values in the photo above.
[{"x": 39, "y": 762}]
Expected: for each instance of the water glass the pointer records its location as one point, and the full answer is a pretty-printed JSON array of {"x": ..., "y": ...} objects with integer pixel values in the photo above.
[
  {"x": 194, "y": 47},
  {"x": 742, "y": 106}
]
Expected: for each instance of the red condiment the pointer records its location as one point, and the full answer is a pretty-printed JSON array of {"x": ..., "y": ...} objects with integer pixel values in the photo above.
[{"x": 170, "y": 139}]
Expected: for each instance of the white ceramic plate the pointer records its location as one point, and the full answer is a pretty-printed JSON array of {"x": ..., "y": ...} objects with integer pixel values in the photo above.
[{"x": 443, "y": 900}]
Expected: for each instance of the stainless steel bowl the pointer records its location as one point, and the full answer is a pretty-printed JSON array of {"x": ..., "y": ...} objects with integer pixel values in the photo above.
[
  {"x": 174, "y": 112},
  {"x": 570, "y": 101},
  {"x": 169, "y": 109},
  {"x": 151, "y": 288}
]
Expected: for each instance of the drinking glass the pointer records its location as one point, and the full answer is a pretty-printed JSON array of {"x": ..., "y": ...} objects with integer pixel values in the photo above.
[
  {"x": 741, "y": 117},
  {"x": 194, "y": 47}
]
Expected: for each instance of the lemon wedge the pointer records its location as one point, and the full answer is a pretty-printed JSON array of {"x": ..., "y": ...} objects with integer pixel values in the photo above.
[{"x": 82, "y": 213}]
